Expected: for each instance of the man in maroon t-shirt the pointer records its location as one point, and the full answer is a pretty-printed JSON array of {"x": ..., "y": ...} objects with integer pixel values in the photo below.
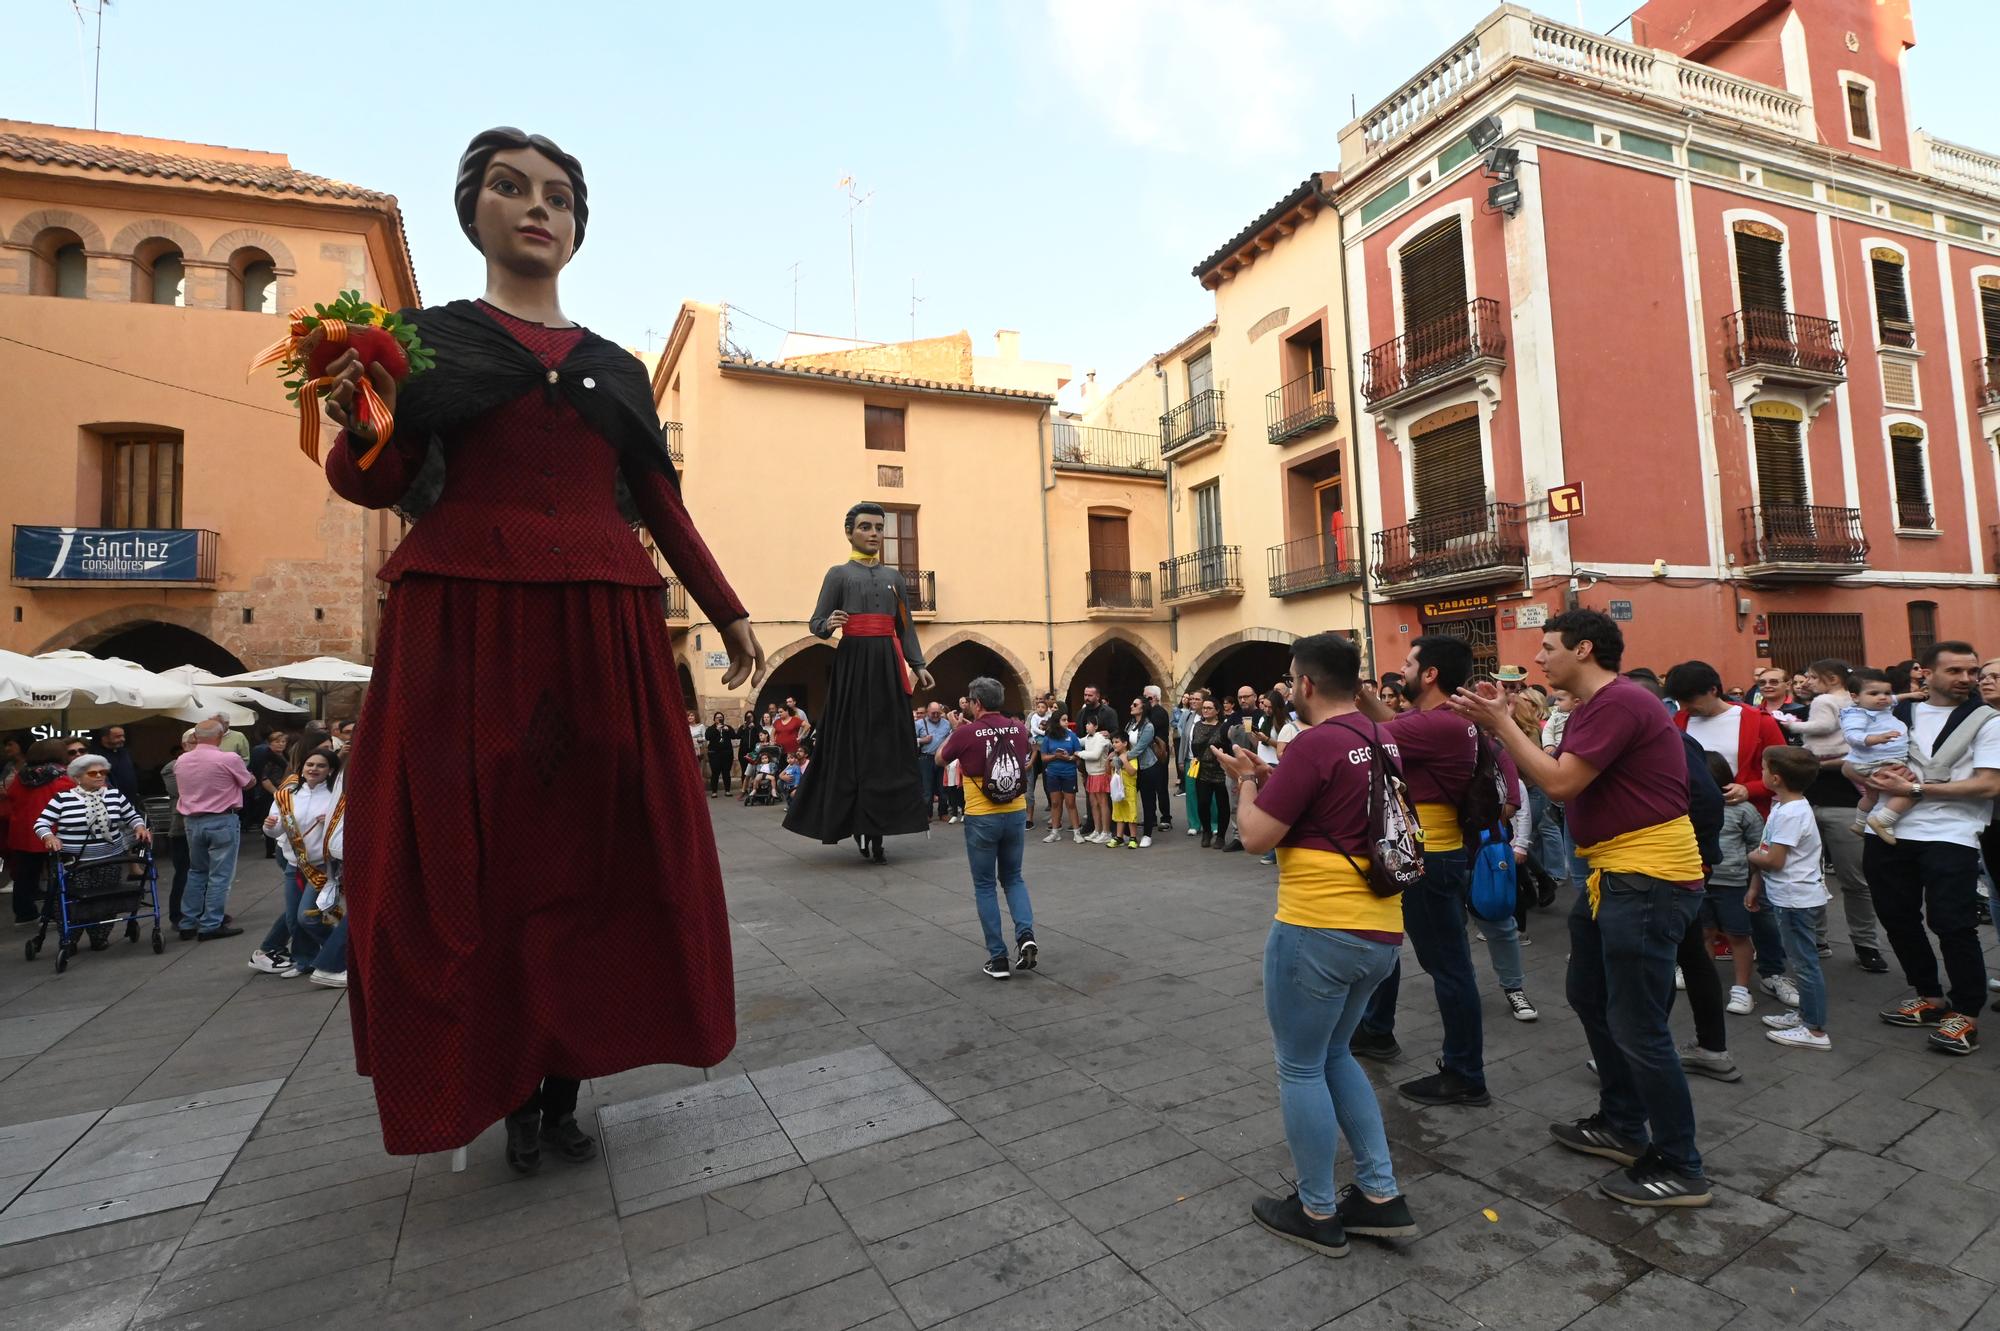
[{"x": 1621, "y": 770}]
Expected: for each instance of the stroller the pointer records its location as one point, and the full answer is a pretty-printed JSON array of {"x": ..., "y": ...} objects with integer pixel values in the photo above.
[{"x": 92, "y": 894}]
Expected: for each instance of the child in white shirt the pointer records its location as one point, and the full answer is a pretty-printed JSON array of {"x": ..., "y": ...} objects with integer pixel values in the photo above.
[
  {"x": 1791, "y": 883},
  {"x": 1876, "y": 740}
]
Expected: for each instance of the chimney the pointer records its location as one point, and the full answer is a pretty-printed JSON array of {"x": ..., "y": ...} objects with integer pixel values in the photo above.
[{"x": 1007, "y": 344}]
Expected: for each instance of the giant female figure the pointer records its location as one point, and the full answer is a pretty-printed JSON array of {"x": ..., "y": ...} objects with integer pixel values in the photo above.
[{"x": 532, "y": 879}]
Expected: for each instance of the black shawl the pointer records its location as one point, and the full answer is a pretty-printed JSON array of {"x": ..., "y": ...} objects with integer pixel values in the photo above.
[{"x": 480, "y": 366}]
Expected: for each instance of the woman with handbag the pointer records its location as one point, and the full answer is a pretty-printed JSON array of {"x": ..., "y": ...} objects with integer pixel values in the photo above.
[{"x": 1211, "y": 795}]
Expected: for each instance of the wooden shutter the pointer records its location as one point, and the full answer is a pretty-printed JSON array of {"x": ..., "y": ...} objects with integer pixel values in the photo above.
[
  {"x": 1923, "y": 627},
  {"x": 884, "y": 428},
  {"x": 1913, "y": 494},
  {"x": 1798, "y": 639},
  {"x": 1450, "y": 474},
  {"x": 1859, "y": 125},
  {"x": 1433, "y": 276},
  {"x": 1110, "y": 546},
  {"x": 1892, "y": 299},
  {"x": 1200, "y": 374},
  {"x": 1760, "y": 270},
  {"x": 1781, "y": 463},
  {"x": 142, "y": 483},
  {"x": 1989, "y": 317},
  {"x": 899, "y": 539}
]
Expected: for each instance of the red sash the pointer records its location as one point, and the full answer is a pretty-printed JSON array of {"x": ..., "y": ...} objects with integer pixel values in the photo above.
[{"x": 882, "y": 626}]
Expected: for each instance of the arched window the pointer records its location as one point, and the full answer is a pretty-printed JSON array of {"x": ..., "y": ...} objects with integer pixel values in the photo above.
[
  {"x": 253, "y": 282},
  {"x": 159, "y": 277},
  {"x": 57, "y": 265}
]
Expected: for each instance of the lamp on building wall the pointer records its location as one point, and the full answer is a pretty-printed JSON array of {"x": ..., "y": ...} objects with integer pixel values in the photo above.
[{"x": 1501, "y": 165}]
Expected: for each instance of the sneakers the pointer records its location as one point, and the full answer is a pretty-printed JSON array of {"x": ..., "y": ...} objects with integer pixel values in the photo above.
[
  {"x": 1594, "y": 1136},
  {"x": 1784, "y": 1021},
  {"x": 1680, "y": 979},
  {"x": 1381, "y": 1048},
  {"x": 1740, "y": 1001},
  {"x": 1651, "y": 1181},
  {"x": 1286, "y": 1217},
  {"x": 1781, "y": 988},
  {"x": 1446, "y": 1088},
  {"x": 1144, "y": 842},
  {"x": 331, "y": 979},
  {"x": 996, "y": 968},
  {"x": 1116, "y": 843},
  {"x": 1956, "y": 1035},
  {"x": 1714, "y": 1063},
  {"x": 1870, "y": 960},
  {"x": 291, "y": 972},
  {"x": 1382, "y": 1220},
  {"x": 1076, "y": 834},
  {"x": 1052, "y": 837},
  {"x": 1193, "y": 830},
  {"x": 1517, "y": 1002},
  {"x": 1798, "y": 1036},
  {"x": 1916, "y": 1012},
  {"x": 226, "y": 931},
  {"x": 270, "y": 962},
  {"x": 1031, "y": 954}
]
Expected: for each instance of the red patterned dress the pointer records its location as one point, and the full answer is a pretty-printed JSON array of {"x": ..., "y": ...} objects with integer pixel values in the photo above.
[{"x": 531, "y": 873}]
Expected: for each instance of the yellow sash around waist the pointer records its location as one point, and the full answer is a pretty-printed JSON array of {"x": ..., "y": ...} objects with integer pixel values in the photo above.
[
  {"x": 1665, "y": 850},
  {"x": 1440, "y": 824}
]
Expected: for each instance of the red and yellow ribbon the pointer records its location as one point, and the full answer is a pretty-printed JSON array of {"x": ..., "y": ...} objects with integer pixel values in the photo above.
[{"x": 293, "y": 349}]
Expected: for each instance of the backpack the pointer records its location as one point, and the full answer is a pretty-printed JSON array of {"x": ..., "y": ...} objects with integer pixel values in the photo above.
[
  {"x": 1004, "y": 781},
  {"x": 1482, "y": 806},
  {"x": 1494, "y": 890},
  {"x": 1395, "y": 843}
]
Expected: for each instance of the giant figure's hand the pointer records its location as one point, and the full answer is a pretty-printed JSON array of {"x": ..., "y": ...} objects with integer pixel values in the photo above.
[
  {"x": 924, "y": 681},
  {"x": 746, "y": 656},
  {"x": 345, "y": 369}
]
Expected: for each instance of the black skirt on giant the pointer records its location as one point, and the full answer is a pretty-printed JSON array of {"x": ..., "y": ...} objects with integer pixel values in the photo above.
[{"x": 865, "y": 778}]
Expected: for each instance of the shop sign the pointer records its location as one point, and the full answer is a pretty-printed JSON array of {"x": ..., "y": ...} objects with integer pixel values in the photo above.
[
  {"x": 1457, "y": 605},
  {"x": 1566, "y": 501},
  {"x": 84, "y": 554}
]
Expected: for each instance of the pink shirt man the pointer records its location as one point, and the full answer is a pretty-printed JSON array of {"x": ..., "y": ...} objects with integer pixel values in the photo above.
[{"x": 211, "y": 780}]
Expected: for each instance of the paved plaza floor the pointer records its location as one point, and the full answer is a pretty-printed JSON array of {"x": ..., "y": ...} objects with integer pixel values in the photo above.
[{"x": 899, "y": 1142}]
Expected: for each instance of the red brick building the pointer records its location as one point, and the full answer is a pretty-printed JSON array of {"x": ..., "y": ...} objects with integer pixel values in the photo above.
[{"x": 1719, "y": 280}]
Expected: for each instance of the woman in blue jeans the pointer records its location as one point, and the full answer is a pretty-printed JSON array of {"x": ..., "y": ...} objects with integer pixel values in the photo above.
[{"x": 1332, "y": 942}]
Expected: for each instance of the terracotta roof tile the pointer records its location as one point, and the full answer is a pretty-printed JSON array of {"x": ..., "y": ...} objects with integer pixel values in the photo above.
[
  {"x": 792, "y": 370},
  {"x": 1319, "y": 182},
  {"x": 171, "y": 166}
]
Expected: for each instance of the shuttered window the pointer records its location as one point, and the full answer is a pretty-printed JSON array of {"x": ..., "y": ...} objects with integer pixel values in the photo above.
[
  {"x": 1989, "y": 318},
  {"x": 1892, "y": 299},
  {"x": 1913, "y": 490},
  {"x": 1799, "y": 639},
  {"x": 1781, "y": 462},
  {"x": 1200, "y": 373},
  {"x": 884, "y": 428},
  {"x": 1450, "y": 475},
  {"x": 1110, "y": 544},
  {"x": 1434, "y": 276},
  {"x": 899, "y": 539},
  {"x": 1923, "y": 627},
  {"x": 1760, "y": 271},
  {"x": 142, "y": 483},
  {"x": 1860, "y": 124}
]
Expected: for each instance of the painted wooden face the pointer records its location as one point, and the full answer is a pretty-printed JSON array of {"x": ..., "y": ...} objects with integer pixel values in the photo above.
[{"x": 525, "y": 217}]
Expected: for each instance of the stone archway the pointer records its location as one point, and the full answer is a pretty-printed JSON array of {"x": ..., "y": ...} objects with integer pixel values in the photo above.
[
  {"x": 199, "y": 626},
  {"x": 127, "y": 242},
  {"x": 250, "y": 238},
  {"x": 798, "y": 670},
  {"x": 25, "y": 230},
  {"x": 1119, "y": 663},
  {"x": 1264, "y": 646},
  {"x": 965, "y": 648}
]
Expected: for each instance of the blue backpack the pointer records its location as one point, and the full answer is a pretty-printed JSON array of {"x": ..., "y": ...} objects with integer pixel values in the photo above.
[{"x": 1492, "y": 896}]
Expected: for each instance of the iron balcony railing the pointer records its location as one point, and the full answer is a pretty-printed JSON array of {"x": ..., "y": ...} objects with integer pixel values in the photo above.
[
  {"x": 673, "y": 429},
  {"x": 1209, "y": 571},
  {"x": 1468, "y": 540},
  {"x": 1300, "y": 407},
  {"x": 1779, "y": 339},
  {"x": 1325, "y": 559},
  {"x": 1914, "y": 515},
  {"x": 1197, "y": 418},
  {"x": 677, "y": 600},
  {"x": 1094, "y": 448},
  {"x": 1803, "y": 534},
  {"x": 1986, "y": 374},
  {"x": 1119, "y": 589},
  {"x": 1434, "y": 350},
  {"x": 922, "y": 586}
]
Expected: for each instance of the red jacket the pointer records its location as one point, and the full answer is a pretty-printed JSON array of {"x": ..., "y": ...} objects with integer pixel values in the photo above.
[
  {"x": 25, "y": 805},
  {"x": 1758, "y": 732}
]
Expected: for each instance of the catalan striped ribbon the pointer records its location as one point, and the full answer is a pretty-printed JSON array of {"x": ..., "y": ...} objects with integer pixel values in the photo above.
[{"x": 293, "y": 347}]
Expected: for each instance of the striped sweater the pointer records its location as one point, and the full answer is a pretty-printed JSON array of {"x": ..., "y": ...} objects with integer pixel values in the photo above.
[{"x": 104, "y": 819}]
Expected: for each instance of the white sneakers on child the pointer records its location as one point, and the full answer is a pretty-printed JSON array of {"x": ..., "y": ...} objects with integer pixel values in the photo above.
[
  {"x": 1740, "y": 1001},
  {"x": 1787, "y": 1028},
  {"x": 1781, "y": 988}
]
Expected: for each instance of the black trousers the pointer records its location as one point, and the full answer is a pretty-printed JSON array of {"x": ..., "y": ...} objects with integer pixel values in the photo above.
[
  {"x": 1211, "y": 801},
  {"x": 1704, "y": 988},
  {"x": 721, "y": 772},
  {"x": 555, "y": 1098},
  {"x": 1915, "y": 883},
  {"x": 1153, "y": 806},
  {"x": 177, "y": 847}
]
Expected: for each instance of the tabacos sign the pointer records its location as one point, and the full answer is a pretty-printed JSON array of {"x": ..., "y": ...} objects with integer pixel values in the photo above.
[
  {"x": 1457, "y": 605},
  {"x": 85, "y": 554}
]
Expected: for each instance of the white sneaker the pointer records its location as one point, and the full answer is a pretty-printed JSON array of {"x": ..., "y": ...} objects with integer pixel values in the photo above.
[
  {"x": 1784, "y": 1021},
  {"x": 1518, "y": 1004},
  {"x": 1740, "y": 1001},
  {"x": 1077, "y": 833},
  {"x": 1798, "y": 1037},
  {"x": 1052, "y": 838},
  {"x": 1781, "y": 988},
  {"x": 1193, "y": 831},
  {"x": 1144, "y": 842},
  {"x": 269, "y": 962},
  {"x": 1680, "y": 980},
  {"x": 1098, "y": 838},
  {"x": 331, "y": 979}
]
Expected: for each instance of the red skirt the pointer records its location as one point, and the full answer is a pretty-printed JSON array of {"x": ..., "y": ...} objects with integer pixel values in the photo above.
[{"x": 530, "y": 870}]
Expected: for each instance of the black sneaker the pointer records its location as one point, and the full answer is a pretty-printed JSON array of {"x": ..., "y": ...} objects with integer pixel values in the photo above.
[
  {"x": 1030, "y": 954},
  {"x": 1593, "y": 1136},
  {"x": 226, "y": 931},
  {"x": 998, "y": 969},
  {"x": 1381, "y": 1048},
  {"x": 1286, "y": 1217},
  {"x": 1446, "y": 1088},
  {"x": 1651, "y": 1181},
  {"x": 1870, "y": 960},
  {"x": 1382, "y": 1220}
]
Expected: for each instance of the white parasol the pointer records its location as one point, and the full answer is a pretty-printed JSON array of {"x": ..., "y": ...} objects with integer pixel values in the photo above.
[
  {"x": 153, "y": 695},
  {"x": 320, "y": 674},
  {"x": 234, "y": 702},
  {"x": 53, "y": 689}
]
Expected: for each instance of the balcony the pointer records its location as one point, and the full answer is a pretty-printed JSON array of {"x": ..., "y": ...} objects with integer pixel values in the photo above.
[
  {"x": 114, "y": 557},
  {"x": 1967, "y": 168},
  {"x": 1793, "y": 346},
  {"x": 1472, "y": 547},
  {"x": 1462, "y": 345},
  {"x": 1311, "y": 563},
  {"x": 1300, "y": 407},
  {"x": 1201, "y": 575},
  {"x": 1112, "y": 452},
  {"x": 921, "y": 583},
  {"x": 677, "y": 601},
  {"x": 1986, "y": 381},
  {"x": 1116, "y": 593},
  {"x": 673, "y": 429},
  {"x": 1802, "y": 541},
  {"x": 1194, "y": 426}
]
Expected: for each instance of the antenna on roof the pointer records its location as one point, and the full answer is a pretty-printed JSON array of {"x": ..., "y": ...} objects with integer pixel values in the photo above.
[
  {"x": 915, "y": 300},
  {"x": 854, "y": 201},
  {"x": 795, "y": 293},
  {"x": 97, "y": 66}
]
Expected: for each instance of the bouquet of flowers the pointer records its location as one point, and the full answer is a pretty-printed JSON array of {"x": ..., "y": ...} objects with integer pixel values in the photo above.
[{"x": 318, "y": 336}]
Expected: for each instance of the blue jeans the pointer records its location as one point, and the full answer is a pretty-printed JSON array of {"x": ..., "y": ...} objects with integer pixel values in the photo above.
[
  {"x": 1434, "y": 919},
  {"x": 213, "y": 840},
  {"x": 1503, "y": 949},
  {"x": 993, "y": 843},
  {"x": 934, "y": 796},
  {"x": 1316, "y": 984},
  {"x": 315, "y": 947},
  {"x": 1800, "y": 925},
  {"x": 279, "y": 937},
  {"x": 1621, "y": 984}
]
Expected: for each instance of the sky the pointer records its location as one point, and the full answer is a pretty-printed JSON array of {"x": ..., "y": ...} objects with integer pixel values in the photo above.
[{"x": 1051, "y": 166}]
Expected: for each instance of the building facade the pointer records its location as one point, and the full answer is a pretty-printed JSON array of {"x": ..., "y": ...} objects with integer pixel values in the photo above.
[
  {"x": 1699, "y": 329},
  {"x": 1017, "y": 533},
  {"x": 158, "y": 504}
]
